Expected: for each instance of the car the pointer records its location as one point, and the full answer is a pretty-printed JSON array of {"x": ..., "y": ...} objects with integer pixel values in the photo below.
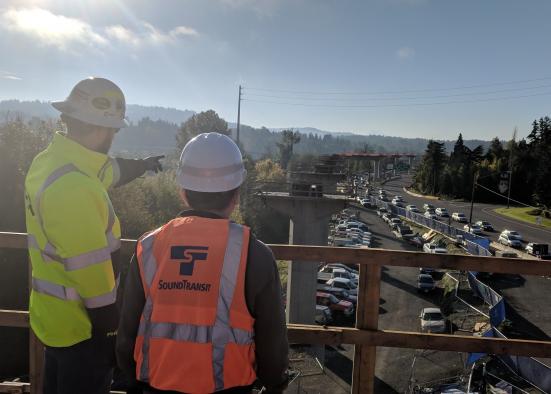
[
  {"x": 473, "y": 229},
  {"x": 366, "y": 203},
  {"x": 338, "y": 307},
  {"x": 506, "y": 254},
  {"x": 459, "y": 217},
  {"x": 486, "y": 226},
  {"x": 394, "y": 221},
  {"x": 434, "y": 248},
  {"x": 341, "y": 294},
  {"x": 430, "y": 215},
  {"x": 428, "y": 206},
  {"x": 412, "y": 208},
  {"x": 383, "y": 198},
  {"x": 425, "y": 270},
  {"x": 512, "y": 234},
  {"x": 442, "y": 212},
  {"x": 323, "y": 315},
  {"x": 398, "y": 198},
  {"x": 397, "y": 203},
  {"x": 425, "y": 283},
  {"x": 345, "y": 267},
  {"x": 343, "y": 283},
  {"x": 432, "y": 320},
  {"x": 387, "y": 217},
  {"x": 327, "y": 273},
  {"x": 381, "y": 211},
  {"x": 536, "y": 249},
  {"x": 404, "y": 232},
  {"x": 508, "y": 240}
]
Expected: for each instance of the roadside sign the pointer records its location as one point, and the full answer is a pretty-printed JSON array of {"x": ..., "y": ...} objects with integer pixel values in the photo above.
[
  {"x": 539, "y": 220},
  {"x": 503, "y": 185}
]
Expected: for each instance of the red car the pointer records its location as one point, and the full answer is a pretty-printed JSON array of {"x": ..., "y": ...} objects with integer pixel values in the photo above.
[{"x": 338, "y": 307}]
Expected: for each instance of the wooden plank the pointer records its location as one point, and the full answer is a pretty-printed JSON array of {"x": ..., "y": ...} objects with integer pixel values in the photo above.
[
  {"x": 14, "y": 387},
  {"x": 10, "y": 318},
  {"x": 412, "y": 340},
  {"x": 403, "y": 258},
  {"x": 366, "y": 256},
  {"x": 363, "y": 376}
]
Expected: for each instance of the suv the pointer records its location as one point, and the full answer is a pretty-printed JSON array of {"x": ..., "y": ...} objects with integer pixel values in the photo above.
[
  {"x": 412, "y": 208},
  {"x": 459, "y": 217},
  {"x": 425, "y": 283},
  {"x": 428, "y": 206},
  {"x": 430, "y": 215},
  {"x": 508, "y": 240},
  {"x": 432, "y": 320},
  {"x": 442, "y": 212},
  {"x": 338, "y": 307},
  {"x": 512, "y": 234}
]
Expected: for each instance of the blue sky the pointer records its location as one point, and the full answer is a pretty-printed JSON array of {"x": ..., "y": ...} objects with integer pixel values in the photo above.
[{"x": 363, "y": 63}]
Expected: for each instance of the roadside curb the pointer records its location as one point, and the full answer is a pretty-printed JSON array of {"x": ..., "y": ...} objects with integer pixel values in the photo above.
[{"x": 420, "y": 195}]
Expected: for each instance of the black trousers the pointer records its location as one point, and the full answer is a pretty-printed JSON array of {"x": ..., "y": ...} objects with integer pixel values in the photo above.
[{"x": 84, "y": 368}]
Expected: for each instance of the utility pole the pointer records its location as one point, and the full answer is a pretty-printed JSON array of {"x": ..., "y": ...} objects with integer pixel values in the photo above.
[
  {"x": 472, "y": 201},
  {"x": 511, "y": 167},
  {"x": 238, "y": 115}
]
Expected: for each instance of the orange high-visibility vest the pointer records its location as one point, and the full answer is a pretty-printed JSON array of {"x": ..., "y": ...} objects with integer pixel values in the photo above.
[{"x": 196, "y": 334}]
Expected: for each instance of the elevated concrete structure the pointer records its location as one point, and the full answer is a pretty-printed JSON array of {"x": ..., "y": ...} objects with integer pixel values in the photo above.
[{"x": 310, "y": 201}]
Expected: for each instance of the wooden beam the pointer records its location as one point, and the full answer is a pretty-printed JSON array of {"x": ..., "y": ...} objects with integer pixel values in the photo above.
[
  {"x": 9, "y": 318},
  {"x": 402, "y": 258},
  {"x": 412, "y": 340},
  {"x": 365, "y": 356},
  {"x": 370, "y": 256}
]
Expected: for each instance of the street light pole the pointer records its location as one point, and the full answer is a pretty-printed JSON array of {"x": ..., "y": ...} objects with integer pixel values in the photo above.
[
  {"x": 238, "y": 115},
  {"x": 472, "y": 201}
]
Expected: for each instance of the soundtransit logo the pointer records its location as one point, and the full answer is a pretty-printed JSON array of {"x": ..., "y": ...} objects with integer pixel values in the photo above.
[{"x": 188, "y": 255}]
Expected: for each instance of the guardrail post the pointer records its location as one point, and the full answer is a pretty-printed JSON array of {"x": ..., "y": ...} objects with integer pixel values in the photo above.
[{"x": 367, "y": 317}]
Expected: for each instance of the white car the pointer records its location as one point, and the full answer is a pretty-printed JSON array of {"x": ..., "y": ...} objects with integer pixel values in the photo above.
[
  {"x": 512, "y": 234},
  {"x": 508, "y": 240},
  {"x": 430, "y": 215},
  {"x": 432, "y": 248},
  {"x": 399, "y": 198},
  {"x": 432, "y": 320},
  {"x": 397, "y": 203},
  {"x": 428, "y": 206},
  {"x": 459, "y": 217},
  {"x": 442, "y": 212},
  {"x": 473, "y": 229}
]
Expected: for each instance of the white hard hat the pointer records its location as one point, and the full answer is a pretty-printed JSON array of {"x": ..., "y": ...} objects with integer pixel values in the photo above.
[
  {"x": 96, "y": 101},
  {"x": 211, "y": 162}
]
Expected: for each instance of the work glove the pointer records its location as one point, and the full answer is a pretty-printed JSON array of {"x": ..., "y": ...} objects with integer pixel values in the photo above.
[{"x": 152, "y": 163}]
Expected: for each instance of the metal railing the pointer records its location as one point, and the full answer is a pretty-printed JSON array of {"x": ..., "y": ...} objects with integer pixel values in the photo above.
[{"x": 366, "y": 336}]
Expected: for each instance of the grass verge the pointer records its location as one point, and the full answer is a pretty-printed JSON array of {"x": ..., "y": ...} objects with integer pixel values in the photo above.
[{"x": 524, "y": 215}]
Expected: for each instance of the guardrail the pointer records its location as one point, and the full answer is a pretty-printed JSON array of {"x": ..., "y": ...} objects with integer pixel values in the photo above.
[{"x": 366, "y": 336}]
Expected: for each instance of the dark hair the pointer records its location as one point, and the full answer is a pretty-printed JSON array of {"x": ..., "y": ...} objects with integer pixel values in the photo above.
[{"x": 202, "y": 201}]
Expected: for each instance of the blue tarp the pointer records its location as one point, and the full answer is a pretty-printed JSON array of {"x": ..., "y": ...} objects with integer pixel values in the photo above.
[{"x": 475, "y": 356}]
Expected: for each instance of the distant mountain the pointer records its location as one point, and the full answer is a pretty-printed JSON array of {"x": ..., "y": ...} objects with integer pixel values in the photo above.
[
  {"x": 134, "y": 112},
  {"x": 154, "y": 129}
]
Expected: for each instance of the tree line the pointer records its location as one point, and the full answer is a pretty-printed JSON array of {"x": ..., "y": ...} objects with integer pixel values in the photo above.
[{"x": 528, "y": 160}]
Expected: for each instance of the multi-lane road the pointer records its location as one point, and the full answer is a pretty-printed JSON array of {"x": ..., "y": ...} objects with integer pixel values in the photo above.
[
  {"x": 528, "y": 296},
  {"x": 530, "y": 232}
]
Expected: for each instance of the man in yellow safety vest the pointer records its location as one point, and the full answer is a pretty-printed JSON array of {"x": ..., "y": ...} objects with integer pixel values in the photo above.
[{"x": 74, "y": 239}]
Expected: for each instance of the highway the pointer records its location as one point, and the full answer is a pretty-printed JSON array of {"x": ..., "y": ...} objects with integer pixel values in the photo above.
[
  {"x": 530, "y": 295},
  {"x": 530, "y": 233}
]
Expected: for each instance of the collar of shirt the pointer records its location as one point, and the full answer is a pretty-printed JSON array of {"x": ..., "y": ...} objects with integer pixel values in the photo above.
[
  {"x": 202, "y": 214},
  {"x": 88, "y": 161}
]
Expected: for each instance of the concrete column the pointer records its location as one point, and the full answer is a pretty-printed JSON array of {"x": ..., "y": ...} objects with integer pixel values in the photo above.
[{"x": 309, "y": 226}]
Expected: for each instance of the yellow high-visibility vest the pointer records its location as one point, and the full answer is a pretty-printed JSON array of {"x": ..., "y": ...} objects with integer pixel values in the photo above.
[{"x": 72, "y": 231}]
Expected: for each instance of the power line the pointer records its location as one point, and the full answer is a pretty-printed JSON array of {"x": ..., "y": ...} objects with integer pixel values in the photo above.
[
  {"x": 402, "y": 91},
  {"x": 396, "y": 105},
  {"x": 399, "y": 98}
]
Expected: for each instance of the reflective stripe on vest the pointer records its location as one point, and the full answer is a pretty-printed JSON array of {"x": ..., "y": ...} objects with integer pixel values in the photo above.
[
  {"x": 71, "y": 294},
  {"x": 49, "y": 252},
  {"x": 221, "y": 333}
]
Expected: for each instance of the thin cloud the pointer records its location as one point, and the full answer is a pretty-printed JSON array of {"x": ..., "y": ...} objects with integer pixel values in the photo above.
[
  {"x": 405, "y": 53},
  {"x": 67, "y": 33},
  {"x": 11, "y": 77}
]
